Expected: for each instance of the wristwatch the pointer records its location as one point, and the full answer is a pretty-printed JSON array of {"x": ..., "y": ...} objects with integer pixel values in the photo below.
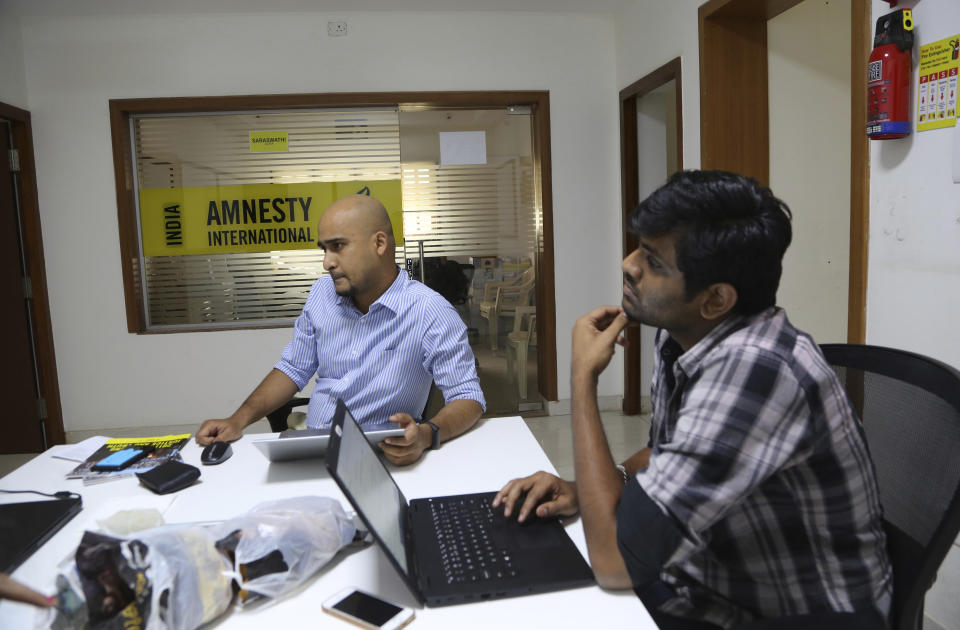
[
  {"x": 623, "y": 473},
  {"x": 435, "y": 440}
]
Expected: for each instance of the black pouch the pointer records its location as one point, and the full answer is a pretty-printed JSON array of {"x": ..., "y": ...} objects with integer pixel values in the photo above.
[{"x": 169, "y": 477}]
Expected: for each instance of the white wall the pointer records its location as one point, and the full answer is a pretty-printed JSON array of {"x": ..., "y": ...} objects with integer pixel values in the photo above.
[
  {"x": 650, "y": 36},
  {"x": 13, "y": 85},
  {"x": 809, "y": 89},
  {"x": 912, "y": 297},
  {"x": 73, "y": 65},
  {"x": 914, "y": 274}
]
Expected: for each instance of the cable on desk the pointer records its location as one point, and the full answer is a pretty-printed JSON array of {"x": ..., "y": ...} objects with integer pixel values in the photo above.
[{"x": 62, "y": 494}]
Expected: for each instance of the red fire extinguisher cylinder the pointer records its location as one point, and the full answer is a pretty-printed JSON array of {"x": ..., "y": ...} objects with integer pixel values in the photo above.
[{"x": 888, "y": 80}]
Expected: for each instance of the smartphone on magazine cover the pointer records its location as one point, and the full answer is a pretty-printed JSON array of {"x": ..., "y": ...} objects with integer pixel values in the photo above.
[
  {"x": 367, "y": 611},
  {"x": 122, "y": 458}
]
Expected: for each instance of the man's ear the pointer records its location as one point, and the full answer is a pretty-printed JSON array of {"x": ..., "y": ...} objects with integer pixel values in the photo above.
[
  {"x": 380, "y": 241},
  {"x": 719, "y": 300}
]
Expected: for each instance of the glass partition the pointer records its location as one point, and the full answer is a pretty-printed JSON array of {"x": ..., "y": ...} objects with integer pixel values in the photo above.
[
  {"x": 472, "y": 228},
  {"x": 226, "y": 205}
]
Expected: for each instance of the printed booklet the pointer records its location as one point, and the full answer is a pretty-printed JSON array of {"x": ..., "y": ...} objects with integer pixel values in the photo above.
[{"x": 165, "y": 448}]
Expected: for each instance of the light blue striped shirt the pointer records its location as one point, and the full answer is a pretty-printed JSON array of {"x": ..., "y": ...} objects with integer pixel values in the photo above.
[{"x": 383, "y": 362}]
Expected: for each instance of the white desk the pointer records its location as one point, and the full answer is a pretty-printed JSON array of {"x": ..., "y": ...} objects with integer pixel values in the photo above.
[{"x": 494, "y": 452}]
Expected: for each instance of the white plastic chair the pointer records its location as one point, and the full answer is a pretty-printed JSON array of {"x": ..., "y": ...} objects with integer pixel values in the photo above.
[
  {"x": 503, "y": 298},
  {"x": 518, "y": 343}
]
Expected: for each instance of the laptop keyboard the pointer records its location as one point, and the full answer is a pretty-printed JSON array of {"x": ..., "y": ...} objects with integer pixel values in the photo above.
[{"x": 467, "y": 550}]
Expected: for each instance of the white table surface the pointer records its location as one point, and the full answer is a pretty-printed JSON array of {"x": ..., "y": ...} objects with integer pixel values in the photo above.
[{"x": 496, "y": 451}]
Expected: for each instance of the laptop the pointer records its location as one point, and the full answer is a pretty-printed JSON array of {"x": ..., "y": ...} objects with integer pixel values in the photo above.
[
  {"x": 454, "y": 549},
  {"x": 24, "y": 527},
  {"x": 305, "y": 443}
]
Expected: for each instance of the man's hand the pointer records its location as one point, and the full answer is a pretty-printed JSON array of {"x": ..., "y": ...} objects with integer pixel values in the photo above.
[
  {"x": 13, "y": 590},
  {"x": 594, "y": 336},
  {"x": 555, "y": 496},
  {"x": 222, "y": 430},
  {"x": 408, "y": 448}
]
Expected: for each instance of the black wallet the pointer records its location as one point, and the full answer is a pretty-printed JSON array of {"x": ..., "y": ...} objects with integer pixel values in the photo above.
[{"x": 169, "y": 477}]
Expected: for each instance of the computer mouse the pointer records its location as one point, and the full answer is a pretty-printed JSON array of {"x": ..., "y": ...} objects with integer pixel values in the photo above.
[{"x": 216, "y": 453}]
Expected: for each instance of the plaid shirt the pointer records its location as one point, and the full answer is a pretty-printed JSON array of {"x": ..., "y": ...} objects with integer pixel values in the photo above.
[{"x": 761, "y": 462}]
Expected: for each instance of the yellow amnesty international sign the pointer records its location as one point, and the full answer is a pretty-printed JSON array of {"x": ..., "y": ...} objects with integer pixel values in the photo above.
[
  {"x": 249, "y": 218},
  {"x": 937, "y": 78},
  {"x": 268, "y": 141}
]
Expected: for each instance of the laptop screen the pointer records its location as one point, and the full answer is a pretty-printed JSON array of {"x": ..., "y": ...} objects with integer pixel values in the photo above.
[
  {"x": 373, "y": 489},
  {"x": 24, "y": 527}
]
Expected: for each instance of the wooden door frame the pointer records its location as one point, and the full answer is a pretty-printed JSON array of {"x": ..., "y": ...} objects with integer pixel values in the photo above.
[
  {"x": 735, "y": 118},
  {"x": 539, "y": 102},
  {"x": 630, "y": 197},
  {"x": 22, "y": 130}
]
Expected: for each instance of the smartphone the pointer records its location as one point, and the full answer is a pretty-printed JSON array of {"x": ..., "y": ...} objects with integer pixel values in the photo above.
[
  {"x": 122, "y": 458},
  {"x": 367, "y": 611}
]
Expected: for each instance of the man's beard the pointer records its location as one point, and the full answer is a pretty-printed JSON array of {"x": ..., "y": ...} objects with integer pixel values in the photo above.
[
  {"x": 350, "y": 291},
  {"x": 633, "y": 312},
  {"x": 648, "y": 315}
]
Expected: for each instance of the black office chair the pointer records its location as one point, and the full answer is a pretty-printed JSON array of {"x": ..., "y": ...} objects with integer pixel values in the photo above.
[
  {"x": 278, "y": 417},
  {"x": 910, "y": 407}
]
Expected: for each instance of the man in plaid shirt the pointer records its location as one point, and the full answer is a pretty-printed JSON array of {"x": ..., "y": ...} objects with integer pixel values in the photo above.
[{"x": 756, "y": 497}]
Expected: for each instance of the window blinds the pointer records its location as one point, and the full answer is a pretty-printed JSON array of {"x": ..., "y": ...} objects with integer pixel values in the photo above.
[
  {"x": 475, "y": 210},
  {"x": 214, "y": 150},
  {"x": 456, "y": 211}
]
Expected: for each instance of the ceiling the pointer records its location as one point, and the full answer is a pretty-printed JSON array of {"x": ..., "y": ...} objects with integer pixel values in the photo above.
[{"x": 147, "y": 7}]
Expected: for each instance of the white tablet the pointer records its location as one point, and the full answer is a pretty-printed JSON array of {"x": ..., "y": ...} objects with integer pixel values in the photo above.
[{"x": 290, "y": 444}]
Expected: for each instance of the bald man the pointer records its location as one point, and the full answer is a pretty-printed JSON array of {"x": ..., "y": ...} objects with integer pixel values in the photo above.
[{"x": 375, "y": 339}]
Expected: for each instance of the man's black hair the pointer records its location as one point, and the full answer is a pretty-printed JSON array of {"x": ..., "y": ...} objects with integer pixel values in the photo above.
[{"x": 730, "y": 229}]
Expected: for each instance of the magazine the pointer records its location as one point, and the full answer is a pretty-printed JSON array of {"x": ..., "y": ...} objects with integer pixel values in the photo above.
[{"x": 165, "y": 448}]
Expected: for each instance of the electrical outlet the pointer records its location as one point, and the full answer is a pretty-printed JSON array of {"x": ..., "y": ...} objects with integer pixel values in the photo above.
[{"x": 336, "y": 28}]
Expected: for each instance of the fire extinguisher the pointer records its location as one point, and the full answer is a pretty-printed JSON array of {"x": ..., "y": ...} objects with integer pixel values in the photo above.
[{"x": 888, "y": 77}]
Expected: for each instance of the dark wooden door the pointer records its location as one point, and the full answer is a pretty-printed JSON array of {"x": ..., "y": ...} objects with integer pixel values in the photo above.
[{"x": 21, "y": 428}]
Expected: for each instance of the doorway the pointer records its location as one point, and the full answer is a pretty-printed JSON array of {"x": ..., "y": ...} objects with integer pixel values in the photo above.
[
  {"x": 28, "y": 376},
  {"x": 808, "y": 89},
  {"x": 735, "y": 114},
  {"x": 651, "y": 149}
]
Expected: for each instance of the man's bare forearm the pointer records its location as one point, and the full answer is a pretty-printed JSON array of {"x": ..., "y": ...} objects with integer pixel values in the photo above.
[
  {"x": 274, "y": 390},
  {"x": 599, "y": 484},
  {"x": 456, "y": 418}
]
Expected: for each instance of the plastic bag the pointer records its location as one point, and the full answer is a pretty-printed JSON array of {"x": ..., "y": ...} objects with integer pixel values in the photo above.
[
  {"x": 178, "y": 577},
  {"x": 279, "y": 544},
  {"x": 190, "y": 578}
]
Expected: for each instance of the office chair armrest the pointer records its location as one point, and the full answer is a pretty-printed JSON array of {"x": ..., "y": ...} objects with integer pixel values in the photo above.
[{"x": 278, "y": 417}]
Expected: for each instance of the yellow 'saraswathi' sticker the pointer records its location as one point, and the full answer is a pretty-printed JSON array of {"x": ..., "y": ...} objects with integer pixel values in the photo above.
[{"x": 268, "y": 141}]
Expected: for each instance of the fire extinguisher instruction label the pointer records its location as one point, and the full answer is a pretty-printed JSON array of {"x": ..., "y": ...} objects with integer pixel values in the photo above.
[
  {"x": 937, "y": 84},
  {"x": 875, "y": 71}
]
